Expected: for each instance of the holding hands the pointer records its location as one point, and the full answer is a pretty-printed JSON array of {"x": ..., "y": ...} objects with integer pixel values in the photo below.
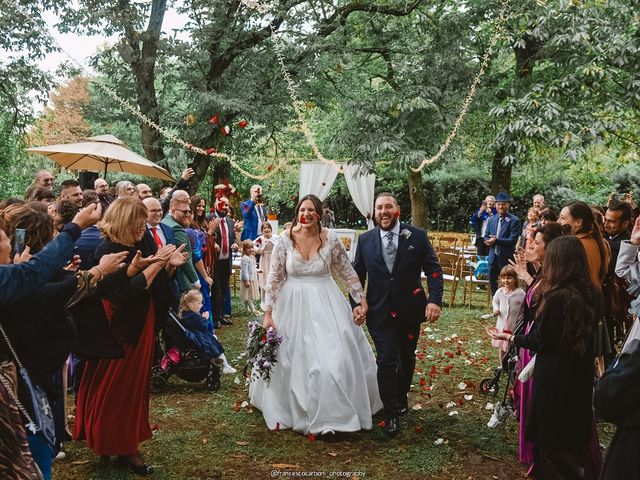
[{"x": 360, "y": 313}]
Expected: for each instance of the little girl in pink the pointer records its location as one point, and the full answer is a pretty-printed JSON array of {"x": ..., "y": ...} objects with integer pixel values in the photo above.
[{"x": 508, "y": 306}]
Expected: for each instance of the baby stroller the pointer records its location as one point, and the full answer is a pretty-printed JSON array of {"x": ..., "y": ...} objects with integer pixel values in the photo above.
[
  {"x": 491, "y": 386},
  {"x": 181, "y": 358}
]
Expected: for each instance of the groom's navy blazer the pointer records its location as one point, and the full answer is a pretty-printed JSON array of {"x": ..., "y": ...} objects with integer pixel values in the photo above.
[{"x": 399, "y": 294}]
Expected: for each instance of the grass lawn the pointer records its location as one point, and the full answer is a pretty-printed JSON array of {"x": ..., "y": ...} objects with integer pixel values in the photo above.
[{"x": 201, "y": 435}]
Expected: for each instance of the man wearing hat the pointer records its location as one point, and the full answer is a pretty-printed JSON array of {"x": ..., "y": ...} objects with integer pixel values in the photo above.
[
  {"x": 501, "y": 237},
  {"x": 253, "y": 213}
]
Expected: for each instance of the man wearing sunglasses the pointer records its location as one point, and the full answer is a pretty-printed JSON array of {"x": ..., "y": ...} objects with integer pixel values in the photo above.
[{"x": 179, "y": 218}]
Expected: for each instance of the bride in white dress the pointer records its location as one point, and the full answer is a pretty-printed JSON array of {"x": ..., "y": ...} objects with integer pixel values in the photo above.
[{"x": 325, "y": 377}]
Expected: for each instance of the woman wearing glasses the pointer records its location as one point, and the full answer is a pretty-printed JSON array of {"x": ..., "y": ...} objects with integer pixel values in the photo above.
[{"x": 112, "y": 411}]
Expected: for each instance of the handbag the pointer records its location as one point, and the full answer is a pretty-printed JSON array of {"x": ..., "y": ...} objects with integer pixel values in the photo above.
[{"x": 42, "y": 420}]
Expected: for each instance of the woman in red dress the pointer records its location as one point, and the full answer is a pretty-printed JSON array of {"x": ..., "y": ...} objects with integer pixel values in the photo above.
[{"x": 112, "y": 409}]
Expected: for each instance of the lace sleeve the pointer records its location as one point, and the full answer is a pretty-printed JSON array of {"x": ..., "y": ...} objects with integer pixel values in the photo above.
[
  {"x": 341, "y": 265},
  {"x": 277, "y": 274}
]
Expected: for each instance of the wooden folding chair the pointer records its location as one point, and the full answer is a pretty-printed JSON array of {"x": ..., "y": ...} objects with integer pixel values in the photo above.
[
  {"x": 472, "y": 285},
  {"x": 450, "y": 264}
]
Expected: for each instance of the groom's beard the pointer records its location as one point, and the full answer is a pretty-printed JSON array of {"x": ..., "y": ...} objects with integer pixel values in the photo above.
[{"x": 391, "y": 225}]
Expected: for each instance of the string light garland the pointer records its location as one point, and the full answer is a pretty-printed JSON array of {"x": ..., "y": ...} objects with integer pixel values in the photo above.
[{"x": 298, "y": 104}]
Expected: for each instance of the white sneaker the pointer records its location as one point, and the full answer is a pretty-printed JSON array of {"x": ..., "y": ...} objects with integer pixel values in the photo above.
[{"x": 228, "y": 369}]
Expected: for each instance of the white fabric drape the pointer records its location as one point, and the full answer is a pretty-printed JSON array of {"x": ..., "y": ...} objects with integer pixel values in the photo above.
[
  {"x": 316, "y": 178},
  {"x": 361, "y": 187}
]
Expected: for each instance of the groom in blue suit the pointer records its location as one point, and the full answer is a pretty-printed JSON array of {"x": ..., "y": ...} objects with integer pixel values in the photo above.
[
  {"x": 501, "y": 236},
  {"x": 393, "y": 255}
]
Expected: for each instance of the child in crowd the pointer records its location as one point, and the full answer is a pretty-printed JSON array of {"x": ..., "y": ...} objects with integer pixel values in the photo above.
[
  {"x": 508, "y": 306},
  {"x": 265, "y": 244},
  {"x": 248, "y": 281},
  {"x": 197, "y": 331}
]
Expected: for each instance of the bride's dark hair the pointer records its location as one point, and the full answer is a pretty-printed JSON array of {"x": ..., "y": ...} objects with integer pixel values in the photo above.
[{"x": 317, "y": 205}]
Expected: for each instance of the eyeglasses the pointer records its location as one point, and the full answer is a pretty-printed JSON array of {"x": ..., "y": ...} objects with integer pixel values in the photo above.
[
  {"x": 155, "y": 210},
  {"x": 185, "y": 212}
]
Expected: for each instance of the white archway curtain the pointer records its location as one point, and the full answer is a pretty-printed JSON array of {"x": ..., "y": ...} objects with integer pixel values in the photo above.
[
  {"x": 361, "y": 187},
  {"x": 317, "y": 178}
]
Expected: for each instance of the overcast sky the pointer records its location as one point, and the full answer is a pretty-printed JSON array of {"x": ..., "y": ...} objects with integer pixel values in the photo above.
[{"x": 81, "y": 47}]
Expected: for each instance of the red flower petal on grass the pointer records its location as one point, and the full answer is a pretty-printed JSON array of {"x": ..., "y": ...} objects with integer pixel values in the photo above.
[
  {"x": 155, "y": 427},
  {"x": 381, "y": 424},
  {"x": 269, "y": 167},
  {"x": 211, "y": 150},
  {"x": 213, "y": 120},
  {"x": 418, "y": 428},
  {"x": 312, "y": 437},
  {"x": 433, "y": 371},
  {"x": 449, "y": 354},
  {"x": 460, "y": 401},
  {"x": 422, "y": 382},
  {"x": 243, "y": 123},
  {"x": 459, "y": 351},
  {"x": 447, "y": 369}
]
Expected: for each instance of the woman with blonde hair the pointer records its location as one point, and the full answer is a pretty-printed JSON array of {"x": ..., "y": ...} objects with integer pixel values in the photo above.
[{"x": 113, "y": 399}]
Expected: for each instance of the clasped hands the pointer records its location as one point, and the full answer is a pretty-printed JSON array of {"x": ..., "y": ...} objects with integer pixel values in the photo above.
[{"x": 360, "y": 313}]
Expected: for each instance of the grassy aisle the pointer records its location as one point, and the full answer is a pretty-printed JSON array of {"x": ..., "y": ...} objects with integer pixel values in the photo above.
[{"x": 204, "y": 435}]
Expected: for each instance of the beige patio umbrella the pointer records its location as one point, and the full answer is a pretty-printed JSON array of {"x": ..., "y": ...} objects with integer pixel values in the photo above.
[{"x": 102, "y": 153}]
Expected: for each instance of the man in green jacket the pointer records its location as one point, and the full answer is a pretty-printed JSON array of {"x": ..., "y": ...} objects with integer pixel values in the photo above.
[{"x": 178, "y": 218}]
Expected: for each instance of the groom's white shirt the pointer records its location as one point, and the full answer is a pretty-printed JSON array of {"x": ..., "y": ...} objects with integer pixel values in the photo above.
[{"x": 396, "y": 235}]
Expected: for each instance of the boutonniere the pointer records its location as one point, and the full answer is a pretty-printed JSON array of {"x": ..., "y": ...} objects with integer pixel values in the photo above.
[
  {"x": 406, "y": 233},
  {"x": 507, "y": 219}
]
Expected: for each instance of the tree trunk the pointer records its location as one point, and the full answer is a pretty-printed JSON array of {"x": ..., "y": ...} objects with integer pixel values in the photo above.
[
  {"x": 418, "y": 204},
  {"x": 500, "y": 174},
  {"x": 140, "y": 51},
  {"x": 525, "y": 60}
]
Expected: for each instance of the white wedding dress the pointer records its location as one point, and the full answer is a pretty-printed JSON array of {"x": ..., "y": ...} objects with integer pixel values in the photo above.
[{"x": 325, "y": 377}]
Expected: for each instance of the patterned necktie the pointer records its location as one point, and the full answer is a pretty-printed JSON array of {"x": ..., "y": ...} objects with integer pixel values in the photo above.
[
  {"x": 391, "y": 250},
  {"x": 497, "y": 247},
  {"x": 156, "y": 237}
]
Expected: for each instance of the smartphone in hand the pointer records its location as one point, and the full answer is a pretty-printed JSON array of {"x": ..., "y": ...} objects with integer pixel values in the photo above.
[{"x": 18, "y": 240}]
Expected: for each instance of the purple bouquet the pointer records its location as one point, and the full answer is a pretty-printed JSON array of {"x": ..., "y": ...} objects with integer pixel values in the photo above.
[{"x": 262, "y": 351}]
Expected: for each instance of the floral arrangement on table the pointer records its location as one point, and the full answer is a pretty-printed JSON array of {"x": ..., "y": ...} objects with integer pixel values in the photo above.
[{"x": 262, "y": 351}]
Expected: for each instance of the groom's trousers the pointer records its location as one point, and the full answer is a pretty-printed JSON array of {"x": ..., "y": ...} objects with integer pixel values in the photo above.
[{"x": 395, "y": 350}]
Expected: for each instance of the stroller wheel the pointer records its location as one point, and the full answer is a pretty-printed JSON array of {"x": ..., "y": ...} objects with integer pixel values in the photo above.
[
  {"x": 489, "y": 386},
  {"x": 158, "y": 380},
  {"x": 212, "y": 382}
]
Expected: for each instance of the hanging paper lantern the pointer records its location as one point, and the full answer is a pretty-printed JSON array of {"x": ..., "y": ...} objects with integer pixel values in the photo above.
[
  {"x": 225, "y": 130},
  {"x": 214, "y": 120},
  {"x": 242, "y": 123},
  {"x": 190, "y": 119},
  {"x": 211, "y": 150}
]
